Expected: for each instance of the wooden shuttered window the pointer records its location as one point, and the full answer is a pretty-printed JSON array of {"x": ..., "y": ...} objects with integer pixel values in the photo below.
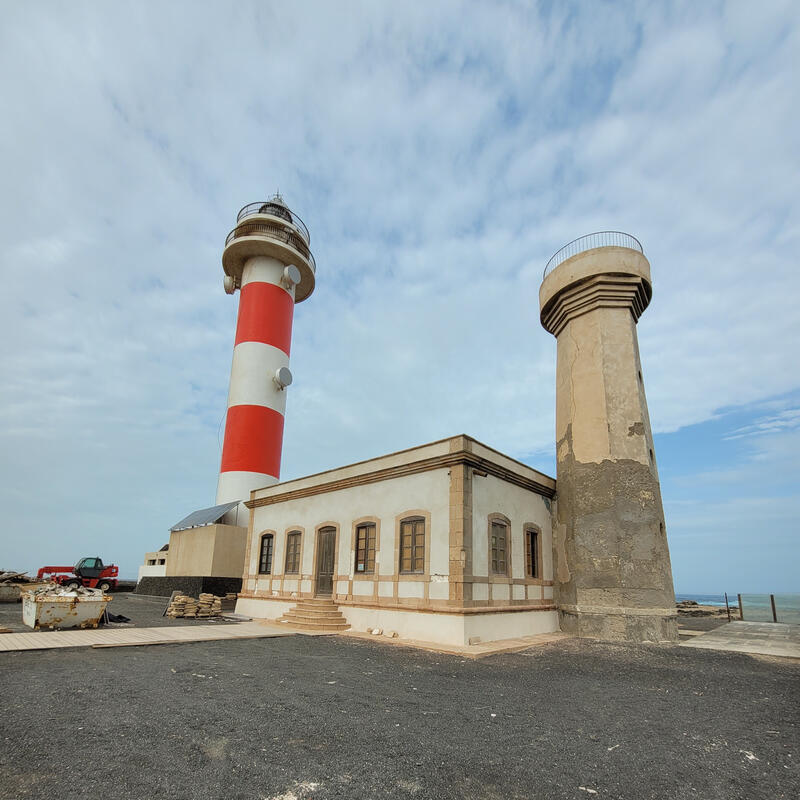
[
  {"x": 532, "y": 553},
  {"x": 293, "y": 553},
  {"x": 265, "y": 556},
  {"x": 412, "y": 545},
  {"x": 365, "y": 548},
  {"x": 499, "y": 547}
]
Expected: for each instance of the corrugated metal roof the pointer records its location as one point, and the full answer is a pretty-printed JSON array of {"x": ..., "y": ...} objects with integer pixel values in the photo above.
[{"x": 204, "y": 516}]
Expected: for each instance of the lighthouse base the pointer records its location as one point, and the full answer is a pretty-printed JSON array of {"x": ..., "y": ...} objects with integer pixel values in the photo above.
[
  {"x": 624, "y": 625},
  {"x": 613, "y": 578}
]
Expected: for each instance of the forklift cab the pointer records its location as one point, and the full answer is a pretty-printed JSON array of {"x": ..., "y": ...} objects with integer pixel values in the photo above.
[{"x": 89, "y": 568}]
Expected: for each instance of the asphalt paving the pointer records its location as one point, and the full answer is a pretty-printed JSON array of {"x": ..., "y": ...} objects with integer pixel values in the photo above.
[{"x": 331, "y": 717}]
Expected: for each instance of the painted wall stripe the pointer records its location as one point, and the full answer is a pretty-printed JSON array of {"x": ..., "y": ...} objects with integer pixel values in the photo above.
[
  {"x": 253, "y": 440},
  {"x": 265, "y": 315},
  {"x": 252, "y": 371},
  {"x": 237, "y": 485}
]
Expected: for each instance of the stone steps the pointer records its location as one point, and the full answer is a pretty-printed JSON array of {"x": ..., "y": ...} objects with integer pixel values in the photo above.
[
  {"x": 314, "y": 626},
  {"x": 317, "y": 602},
  {"x": 301, "y": 614},
  {"x": 315, "y": 614}
]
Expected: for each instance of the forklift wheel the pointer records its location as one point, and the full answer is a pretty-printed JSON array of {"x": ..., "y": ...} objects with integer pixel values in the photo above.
[
  {"x": 104, "y": 586},
  {"x": 72, "y": 585}
]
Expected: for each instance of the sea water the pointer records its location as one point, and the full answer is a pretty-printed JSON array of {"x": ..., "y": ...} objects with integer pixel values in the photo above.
[{"x": 756, "y": 607}]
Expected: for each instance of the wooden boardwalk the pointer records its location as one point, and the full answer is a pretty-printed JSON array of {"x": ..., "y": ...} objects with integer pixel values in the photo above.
[{"x": 128, "y": 637}]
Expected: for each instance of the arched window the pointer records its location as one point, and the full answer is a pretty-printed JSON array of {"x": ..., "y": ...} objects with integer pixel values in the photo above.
[
  {"x": 293, "y": 553},
  {"x": 365, "y": 548},
  {"x": 533, "y": 566},
  {"x": 412, "y": 544},
  {"x": 498, "y": 546},
  {"x": 265, "y": 555}
]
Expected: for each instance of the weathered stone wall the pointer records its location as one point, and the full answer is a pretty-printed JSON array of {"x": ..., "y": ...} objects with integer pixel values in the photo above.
[{"x": 613, "y": 575}]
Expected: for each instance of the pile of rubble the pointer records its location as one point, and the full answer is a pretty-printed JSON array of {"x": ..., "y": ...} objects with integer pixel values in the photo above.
[
  {"x": 12, "y": 584},
  {"x": 206, "y": 606},
  {"x": 7, "y": 576},
  {"x": 55, "y": 589}
]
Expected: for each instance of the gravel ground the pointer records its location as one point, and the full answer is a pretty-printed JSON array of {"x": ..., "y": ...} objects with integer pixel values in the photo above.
[
  {"x": 143, "y": 612},
  {"x": 327, "y": 717}
]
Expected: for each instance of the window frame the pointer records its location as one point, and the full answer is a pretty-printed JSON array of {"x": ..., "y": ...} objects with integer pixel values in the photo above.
[
  {"x": 295, "y": 554},
  {"x": 370, "y": 547},
  {"x": 415, "y": 556},
  {"x": 533, "y": 557},
  {"x": 498, "y": 519},
  {"x": 264, "y": 536}
]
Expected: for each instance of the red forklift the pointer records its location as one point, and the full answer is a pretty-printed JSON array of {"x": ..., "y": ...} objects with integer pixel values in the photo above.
[{"x": 88, "y": 572}]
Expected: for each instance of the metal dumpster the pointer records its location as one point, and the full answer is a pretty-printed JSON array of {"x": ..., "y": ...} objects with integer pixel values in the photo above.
[{"x": 75, "y": 609}]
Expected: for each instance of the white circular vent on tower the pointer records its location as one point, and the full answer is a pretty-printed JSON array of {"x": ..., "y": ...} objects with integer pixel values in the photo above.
[
  {"x": 291, "y": 276},
  {"x": 283, "y": 377}
]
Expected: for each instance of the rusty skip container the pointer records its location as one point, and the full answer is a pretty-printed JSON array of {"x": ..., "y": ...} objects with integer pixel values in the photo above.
[{"x": 63, "y": 610}]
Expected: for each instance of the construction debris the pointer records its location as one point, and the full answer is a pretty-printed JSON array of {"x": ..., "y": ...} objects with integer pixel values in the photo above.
[
  {"x": 14, "y": 577},
  {"x": 186, "y": 607},
  {"x": 56, "y": 590},
  {"x": 12, "y": 584}
]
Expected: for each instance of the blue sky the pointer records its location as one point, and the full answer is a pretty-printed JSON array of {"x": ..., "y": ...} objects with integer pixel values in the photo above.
[
  {"x": 439, "y": 153},
  {"x": 730, "y": 498}
]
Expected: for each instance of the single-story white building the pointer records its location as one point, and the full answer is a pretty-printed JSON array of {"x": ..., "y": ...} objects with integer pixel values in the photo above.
[{"x": 448, "y": 542}]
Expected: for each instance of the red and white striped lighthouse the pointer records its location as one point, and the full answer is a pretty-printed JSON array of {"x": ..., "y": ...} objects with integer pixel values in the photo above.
[{"x": 266, "y": 257}]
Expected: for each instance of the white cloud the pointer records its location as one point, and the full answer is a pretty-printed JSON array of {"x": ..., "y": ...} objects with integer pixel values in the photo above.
[
  {"x": 439, "y": 154},
  {"x": 784, "y": 421}
]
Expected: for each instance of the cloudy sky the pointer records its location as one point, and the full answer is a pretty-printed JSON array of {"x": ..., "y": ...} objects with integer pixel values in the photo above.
[{"x": 439, "y": 154}]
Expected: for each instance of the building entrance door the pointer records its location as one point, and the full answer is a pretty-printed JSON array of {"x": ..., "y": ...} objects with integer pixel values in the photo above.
[{"x": 326, "y": 547}]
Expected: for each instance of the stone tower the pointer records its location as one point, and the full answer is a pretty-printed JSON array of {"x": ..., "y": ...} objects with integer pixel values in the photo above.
[{"x": 613, "y": 578}]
